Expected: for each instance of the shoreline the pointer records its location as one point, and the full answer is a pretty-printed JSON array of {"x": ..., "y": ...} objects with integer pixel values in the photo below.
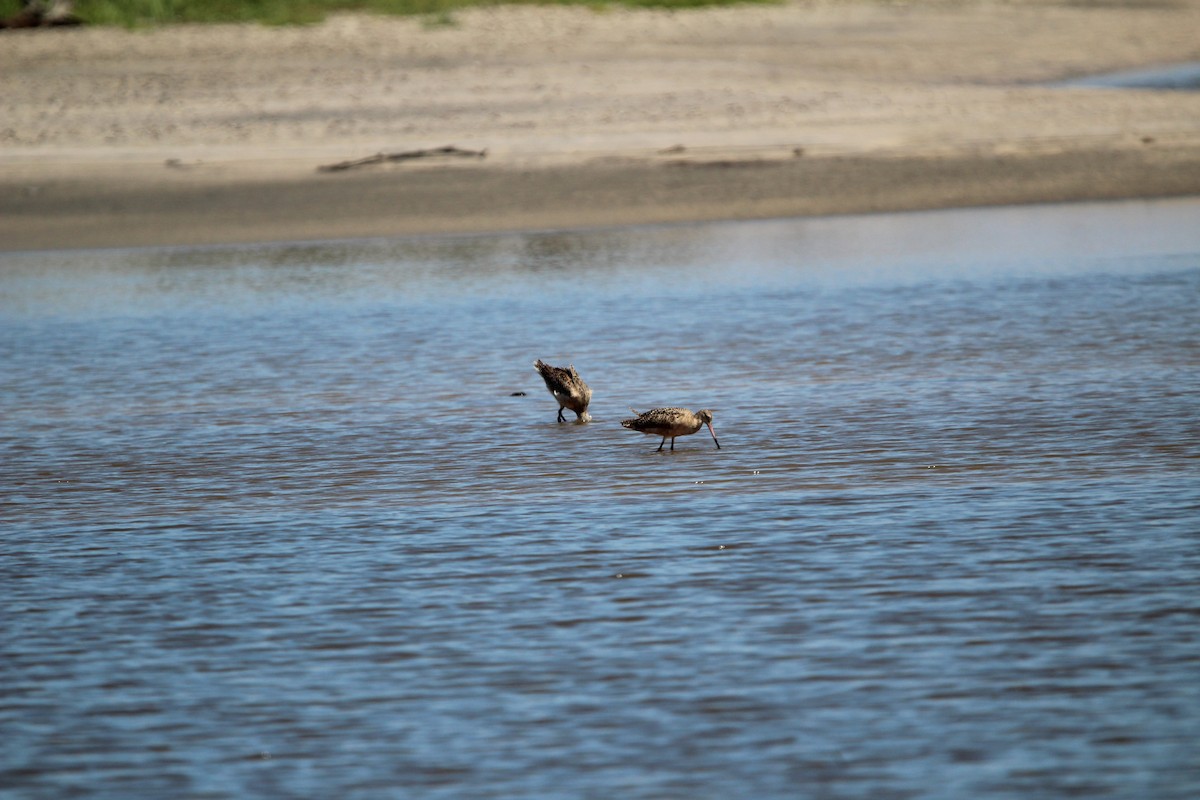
[
  {"x": 134, "y": 206},
  {"x": 193, "y": 135}
]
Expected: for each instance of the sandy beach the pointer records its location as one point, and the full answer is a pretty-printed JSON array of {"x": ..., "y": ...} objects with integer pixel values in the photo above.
[{"x": 212, "y": 134}]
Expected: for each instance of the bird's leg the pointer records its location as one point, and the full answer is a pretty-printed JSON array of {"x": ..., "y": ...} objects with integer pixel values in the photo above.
[
  {"x": 561, "y": 418},
  {"x": 660, "y": 445},
  {"x": 672, "y": 444}
]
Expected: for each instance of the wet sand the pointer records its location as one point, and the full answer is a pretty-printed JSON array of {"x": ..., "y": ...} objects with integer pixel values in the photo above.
[{"x": 193, "y": 135}]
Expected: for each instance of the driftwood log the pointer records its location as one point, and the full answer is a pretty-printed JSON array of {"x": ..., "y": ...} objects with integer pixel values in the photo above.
[{"x": 449, "y": 151}]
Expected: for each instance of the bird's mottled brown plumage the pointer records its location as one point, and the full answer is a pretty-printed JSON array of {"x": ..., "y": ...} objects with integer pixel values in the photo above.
[
  {"x": 671, "y": 422},
  {"x": 568, "y": 389}
]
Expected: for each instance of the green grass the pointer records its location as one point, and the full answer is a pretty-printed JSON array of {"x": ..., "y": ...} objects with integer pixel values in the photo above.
[{"x": 137, "y": 13}]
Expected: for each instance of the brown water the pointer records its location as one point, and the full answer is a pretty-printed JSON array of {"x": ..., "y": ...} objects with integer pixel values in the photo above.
[{"x": 274, "y": 523}]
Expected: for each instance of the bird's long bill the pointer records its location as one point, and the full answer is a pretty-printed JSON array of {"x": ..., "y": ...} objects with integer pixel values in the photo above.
[{"x": 714, "y": 434}]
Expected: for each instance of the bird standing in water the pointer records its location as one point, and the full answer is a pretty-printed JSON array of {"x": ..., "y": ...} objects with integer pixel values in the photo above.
[
  {"x": 568, "y": 389},
  {"x": 669, "y": 423}
]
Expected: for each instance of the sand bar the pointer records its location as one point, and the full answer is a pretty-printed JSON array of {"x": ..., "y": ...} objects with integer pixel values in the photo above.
[{"x": 211, "y": 134}]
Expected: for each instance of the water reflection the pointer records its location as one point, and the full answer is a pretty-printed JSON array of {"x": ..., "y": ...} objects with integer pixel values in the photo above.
[{"x": 820, "y": 252}]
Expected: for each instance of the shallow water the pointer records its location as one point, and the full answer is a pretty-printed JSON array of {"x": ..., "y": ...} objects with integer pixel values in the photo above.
[
  {"x": 275, "y": 524},
  {"x": 1175, "y": 77}
]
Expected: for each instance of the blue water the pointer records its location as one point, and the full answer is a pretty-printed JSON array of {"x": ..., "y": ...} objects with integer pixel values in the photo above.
[
  {"x": 1175, "y": 77},
  {"x": 277, "y": 521}
]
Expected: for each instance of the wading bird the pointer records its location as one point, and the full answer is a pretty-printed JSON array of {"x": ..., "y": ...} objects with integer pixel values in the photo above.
[
  {"x": 669, "y": 423},
  {"x": 568, "y": 389}
]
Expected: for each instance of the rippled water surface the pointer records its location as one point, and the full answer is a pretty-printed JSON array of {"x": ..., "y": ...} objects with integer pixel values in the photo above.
[{"x": 277, "y": 520}]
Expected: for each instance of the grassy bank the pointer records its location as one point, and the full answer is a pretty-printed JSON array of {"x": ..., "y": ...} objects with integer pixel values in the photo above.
[{"x": 135, "y": 13}]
